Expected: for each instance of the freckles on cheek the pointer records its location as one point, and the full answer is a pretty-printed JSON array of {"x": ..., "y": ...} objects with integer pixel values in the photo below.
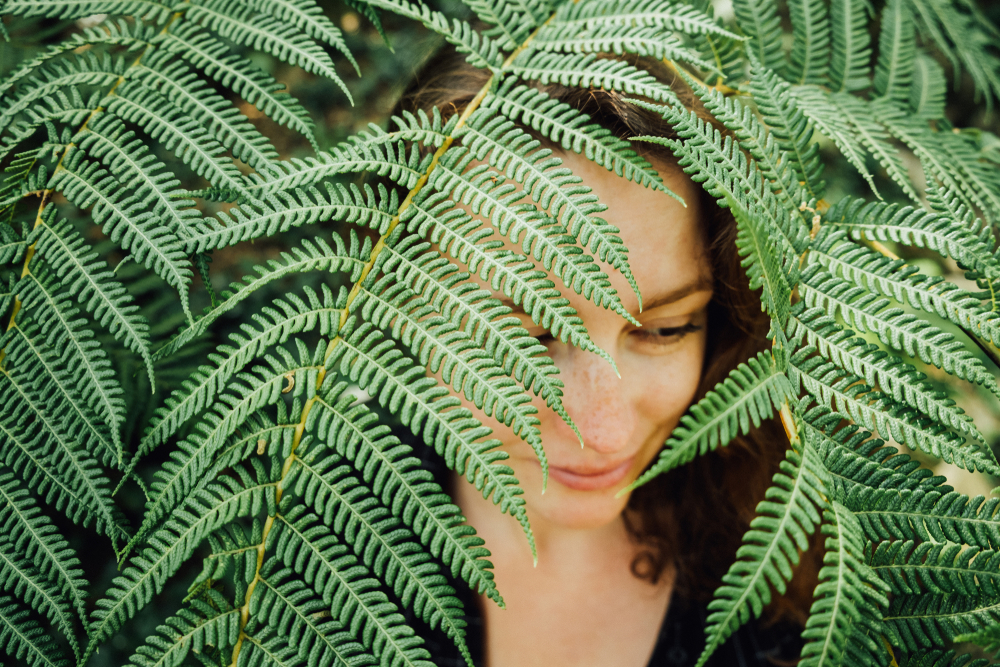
[{"x": 667, "y": 394}]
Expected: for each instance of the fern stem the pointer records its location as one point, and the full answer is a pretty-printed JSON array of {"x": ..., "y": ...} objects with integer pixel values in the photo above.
[{"x": 352, "y": 295}]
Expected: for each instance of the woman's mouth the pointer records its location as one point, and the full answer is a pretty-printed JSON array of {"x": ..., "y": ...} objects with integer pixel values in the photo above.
[{"x": 581, "y": 479}]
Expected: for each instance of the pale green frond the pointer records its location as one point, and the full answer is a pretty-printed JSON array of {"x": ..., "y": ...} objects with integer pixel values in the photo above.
[
  {"x": 929, "y": 88},
  {"x": 573, "y": 130},
  {"x": 22, "y": 638},
  {"x": 211, "y": 56},
  {"x": 879, "y": 369},
  {"x": 509, "y": 25},
  {"x": 409, "y": 491},
  {"x": 817, "y": 105},
  {"x": 34, "y": 536},
  {"x": 311, "y": 255},
  {"x": 895, "y": 328},
  {"x": 930, "y": 621},
  {"x": 848, "y": 590},
  {"x": 850, "y": 45},
  {"x": 753, "y": 392},
  {"x": 675, "y": 17},
  {"x": 759, "y": 20},
  {"x": 979, "y": 180},
  {"x": 302, "y": 541},
  {"x": 897, "y": 53},
  {"x": 426, "y": 408},
  {"x": 65, "y": 106},
  {"x": 790, "y": 128},
  {"x": 235, "y": 21},
  {"x": 810, "y": 57},
  {"x": 164, "y": 73},
  {"x": 193, "y": 629},
  {"x": 491, "y": 195},
  {"x": 649, "y": 41},
  {"x": 788, "y": 515},
  {"x": 148, "y": 10},
  {"x": 910, "y": 568},
  {"x": 504, "y": 146},
  {"x": 308, "y": 17},
  {"x": 94, "y": 285},
  {"x": 874, "y": 410}
]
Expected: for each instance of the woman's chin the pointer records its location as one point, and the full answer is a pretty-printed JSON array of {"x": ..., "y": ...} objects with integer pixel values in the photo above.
[{"x": 575, "y": 509}]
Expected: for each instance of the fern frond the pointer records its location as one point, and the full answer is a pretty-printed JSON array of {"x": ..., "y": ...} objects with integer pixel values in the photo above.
[
  {"x": 94, "y": 284},
  {"x": 582, "y": 70},
  {"x": 295, "y": 612},
  {"x": 850, "y": 46},
  {"x": 759, "y": 20},
  {"x": 307, "y": 16},
  {"x": 163, "y": 72},
  {"x": 810, "y": 57},
  {"x": 95, "y": 384},
  {"x": 303, "y": 542},
  {"x": 22, "y": 638},
  {"x": 489, "y": 194},
  {"x": 928, "y": 90},
  {"x": 785, "y": 519},
  {"x": 125, "y": 219},
  {"x": 943, "y": 234},
  {"x": 790, "y": 128},
  {"x": 925, "y": 515},
  {"x": 382, "y": 542},
  {"x": 940, "y": 658},
  {"x": 563, "y": 125},
  {"x": 929, "y": 621},
  {"x": 651, "y": 42},
  {"x": 148, "y": 10},
  {"x": 172, "y": 544},
  {"x": 234, "y": 21},
  {"x": 403, "y": 486},
  {"x": 593, "y": 14},
  {"x": 977, "y": 178},
  {"x": 751, "y": 394},
  {"x": 879, "y": 369},
  {"x": 896, "y": 53},
  {"x": 877, "y": 411},
  {"x": 505, "y": 147},
  {"x": 212, "y": 57},
  {"x": 910, "y": 568},
  {"x": 987, "y": 638},
  {"x": 18, "y": 575},
  {"x": 510, "y": 26},
  {"x": 848, "y": 590},
  {"x": 67, "y": 106},
  {"x": 895, "y": 328},
  {"x": 35, "y": 537},
  {"x": 312, "y": 255},
  {"x": 191, "y": 630},
  {"x": 423, "y": 405},
  {"x": 817, "y": 105}
]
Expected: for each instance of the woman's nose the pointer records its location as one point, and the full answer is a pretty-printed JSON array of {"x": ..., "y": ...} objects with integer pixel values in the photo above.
[{"x": 596, "y": 399}]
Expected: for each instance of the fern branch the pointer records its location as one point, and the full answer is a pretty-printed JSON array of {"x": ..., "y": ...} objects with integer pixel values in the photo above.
[{"x": 23, "y": 639}]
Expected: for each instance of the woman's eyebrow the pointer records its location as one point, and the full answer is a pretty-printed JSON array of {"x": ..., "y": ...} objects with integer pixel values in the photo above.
[{"x": 699, "y": 285}]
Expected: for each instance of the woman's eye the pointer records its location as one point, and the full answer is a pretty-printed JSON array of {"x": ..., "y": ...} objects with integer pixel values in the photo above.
[{"x": 665, "y": 335}]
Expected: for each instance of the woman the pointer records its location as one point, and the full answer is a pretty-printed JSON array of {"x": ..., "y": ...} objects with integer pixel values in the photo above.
[{"x": 622, "y": 581}]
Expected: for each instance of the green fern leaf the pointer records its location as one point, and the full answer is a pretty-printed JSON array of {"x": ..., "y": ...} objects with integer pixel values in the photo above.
[
  {"x": 650, "y": 42},
  {"x": 898, "y": 330},
  {"x": 591, "y": 14},
  {"x": 847, "y": 590},
  {"x": 422, "y": 405},
  {"x": 896, "y": 53},
  {"x": 910, "y": 568},
  {"x": 810, "y": 57},
  {"x": 234, "y": 21},
  {"x": 66, "y": 106},
  {"x": 759, "y": 20},
  {"x": 878, "y": 368},
  {"x": 307, "y": 16},
  {"x": 851, "y": 46},
  {"x": 510, "y": 26},
  {"x": 987, "y": 638},
  {"x": 404, "y": 487},
  {"x": 212, "y": 57},
  {"x": 304, "y": 542},
  {"x": 928, "y": 90},
  {"x": 23, "y": 639},
  {"x": 34, "y": 536},
  {"x": 929, "y": 621},
  {"x": 148, "y": 10},
  {"x": 751, "y": 393},
  {"x": 191, "y": 630},
  {"x": 94, "y": 284},
  {"x": 162, "y": 72},
  {"x": 939, "y": 658},
  {"x": 565, "y": 126},
  {"x": 771, "y": 547},
  {"x": 587, "y": 70}
]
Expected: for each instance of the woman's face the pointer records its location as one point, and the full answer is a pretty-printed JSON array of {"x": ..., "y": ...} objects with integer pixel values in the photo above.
[{"x": 625, "y": 421}]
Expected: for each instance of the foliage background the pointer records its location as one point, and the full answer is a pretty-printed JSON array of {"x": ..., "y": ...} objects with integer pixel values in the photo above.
[{"x": 386, "y": 71}]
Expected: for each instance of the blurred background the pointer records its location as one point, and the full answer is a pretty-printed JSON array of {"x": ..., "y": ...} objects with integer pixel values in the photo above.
[{"x": 386, "y": 71}]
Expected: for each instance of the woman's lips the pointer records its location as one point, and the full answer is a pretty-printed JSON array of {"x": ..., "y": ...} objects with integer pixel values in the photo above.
[{"x": 591, "y": 481}]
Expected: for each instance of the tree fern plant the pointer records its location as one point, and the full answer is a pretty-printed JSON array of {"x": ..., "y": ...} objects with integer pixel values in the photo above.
[{"x": 315, "y": 529}]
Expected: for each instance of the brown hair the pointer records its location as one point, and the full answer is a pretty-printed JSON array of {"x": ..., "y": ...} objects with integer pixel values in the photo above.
[{"x": 694, "y": 516}]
